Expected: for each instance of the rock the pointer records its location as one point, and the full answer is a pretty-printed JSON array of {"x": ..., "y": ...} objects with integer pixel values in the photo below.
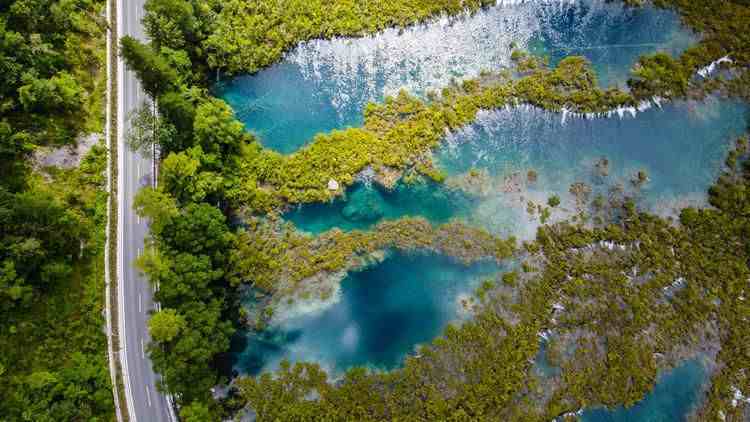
[
  {"x": 67, "y": 156},
  {"x": 333, "y": 185}
]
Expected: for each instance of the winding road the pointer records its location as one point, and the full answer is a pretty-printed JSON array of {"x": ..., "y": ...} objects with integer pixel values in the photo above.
[{"x": 135, "y": 295}]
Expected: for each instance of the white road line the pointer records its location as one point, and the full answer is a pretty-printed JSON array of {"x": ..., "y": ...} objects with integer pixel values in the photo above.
[
  {"x": 139, "y": 170},
  {"x": 148, "y": 395},
  {"x": 140, "y": 308},
  {"x": 139, "y": 252},
  {"x": 143, "y": 350}
]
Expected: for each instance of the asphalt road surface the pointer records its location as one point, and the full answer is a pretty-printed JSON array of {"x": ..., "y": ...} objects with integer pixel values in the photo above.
[{"x": 145, "y": 403}]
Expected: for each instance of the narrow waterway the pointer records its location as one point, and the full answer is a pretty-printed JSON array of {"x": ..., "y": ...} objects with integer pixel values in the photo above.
[
  {"x": 681, "y": 147},
  {"x": 325, "y": 84}
]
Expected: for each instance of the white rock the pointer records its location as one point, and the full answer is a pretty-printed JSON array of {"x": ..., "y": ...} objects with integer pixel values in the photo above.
[{"x": 333, "y": 185}]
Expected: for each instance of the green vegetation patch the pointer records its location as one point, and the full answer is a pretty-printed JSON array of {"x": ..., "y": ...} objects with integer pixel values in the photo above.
[
  {"x": 277, "y": 260},
  {"x": 483, "y": 370},
  {"x": 616, "y": 302}
]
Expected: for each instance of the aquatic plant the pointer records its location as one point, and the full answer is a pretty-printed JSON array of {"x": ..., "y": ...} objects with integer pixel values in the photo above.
[
  {"x": 274, "y": 258},
  {"x": 573, "y": 271},
  {"x": 616, "y": 303}
]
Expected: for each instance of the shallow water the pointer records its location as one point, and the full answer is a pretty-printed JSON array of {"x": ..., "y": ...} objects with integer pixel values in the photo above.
[
  {"x": 680, "y": 146},
  {"x": 672, "y": 399},
  {"x": 382, "y": 313},
  {"x": 366, "y": 205},
  {"x": 325, "y": 84}
]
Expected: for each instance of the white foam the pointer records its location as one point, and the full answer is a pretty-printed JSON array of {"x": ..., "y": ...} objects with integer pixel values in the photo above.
[
  {"x": 706, "y": 71},
  {"x": 428, "y": 56},
  {"x": 738, "y": 397}
]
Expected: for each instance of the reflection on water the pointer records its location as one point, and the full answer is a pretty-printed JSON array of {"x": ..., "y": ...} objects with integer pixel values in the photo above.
[
  {"x": 383, "y": 312},
  {"x": 324, "y": 84}
]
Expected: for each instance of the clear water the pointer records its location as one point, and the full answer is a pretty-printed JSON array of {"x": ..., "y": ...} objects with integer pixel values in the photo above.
[
  {"x": 325, "y": 84},
  {"x": 681, "y": 147},
  {"x": 382, "y": 313},
  {"x": 367, "y": 205},
  {"x": 672, "y": 399}
]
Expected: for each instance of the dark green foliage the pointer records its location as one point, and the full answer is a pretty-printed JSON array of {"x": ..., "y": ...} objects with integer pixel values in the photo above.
[
  {"x": 189, "y": 268},
  {"x": 47, "y": 85},
  {"x": 155, "y": 74},
  {"x": 179, "y": 111},
  {"x": 51, "y": 283},
  {"x": 53, "y": 362}
]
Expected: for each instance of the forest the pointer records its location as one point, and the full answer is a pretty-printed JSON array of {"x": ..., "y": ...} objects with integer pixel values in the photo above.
[
  {"x": 52, "y": 218},
  {"x": 213, "y": 172}
]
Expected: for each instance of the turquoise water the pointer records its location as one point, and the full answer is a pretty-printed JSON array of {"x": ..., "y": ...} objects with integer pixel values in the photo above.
[
  {"x": 382, "y": 313},
  {"x": 325, "y": 84},
  {"x": 680, "y": 146},
  {"x": 367, "y": 205},
  {"x": 672, "y": 399}
]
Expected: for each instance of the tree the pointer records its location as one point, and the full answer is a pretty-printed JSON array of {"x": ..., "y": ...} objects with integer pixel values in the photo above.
[
  {"x": 217, "y": 131},
  {"x": 196, "y": 412},
  {"x": 58, "y": 94},
  {"x": 169, "y": 22},
  {"x": 156, "y": 205},
  {"x": 165, "y": 325},
  {"x": 147, "y": 131},
  {"x": 182, "y": 176},
  {"x": 200, "y": 229},
  {"x": 176, "y": 108},
  {"x": 152, "y": 70},
  {"x": 659, "y": 74}
]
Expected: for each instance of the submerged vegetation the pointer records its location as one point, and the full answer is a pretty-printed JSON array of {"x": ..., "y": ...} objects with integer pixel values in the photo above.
[
  {"x": 618, "y": 298},
  {"x": 614, "y": 302},
  {"x": 400, "y": 134},
  {"x": 285, "y": 264}
]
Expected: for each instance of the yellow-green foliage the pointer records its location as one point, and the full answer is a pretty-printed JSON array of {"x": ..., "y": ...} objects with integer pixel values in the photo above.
[
  {"x": 614, "y": 315},
  {"x": 400, "y": 132},
  {"x": 271, "y": 257},
  {"x": 724, "y": 27},
  {"x": 250, "y": 35}
]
